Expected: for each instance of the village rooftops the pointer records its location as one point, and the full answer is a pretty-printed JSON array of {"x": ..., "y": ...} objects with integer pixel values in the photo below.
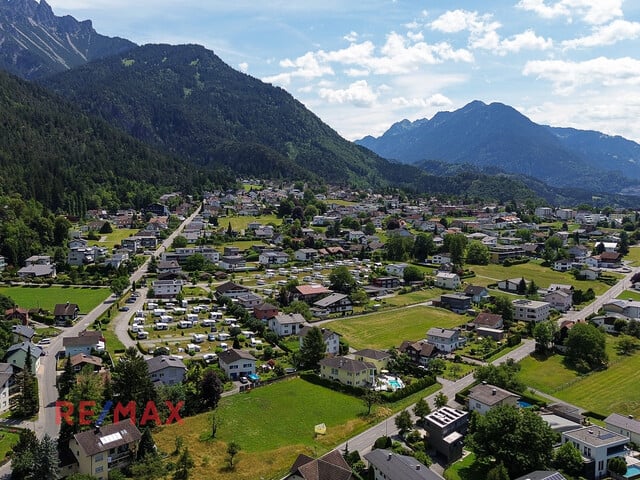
[
  {"x": 163, "y": 361},
  {"x": 312, "y": 289},
  {"x": 489, "y": 394},
  {"x": 107, "y": 437}
]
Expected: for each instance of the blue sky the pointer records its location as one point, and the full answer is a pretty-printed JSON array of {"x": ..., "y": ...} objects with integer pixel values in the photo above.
[{"x": 362, "y": 66}]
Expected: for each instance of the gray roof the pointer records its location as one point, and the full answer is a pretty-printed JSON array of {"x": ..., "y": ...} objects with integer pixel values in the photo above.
[
  {"x": 23, "y": 331},
  {"x": 107, "y": 437},
  {"x": 542, "y": 475},
  {"x": 345, "y": 363},
  {"x": 233, "y": 355},
  {"x": 442, "y": 332},
  {"x": 164, "y": 361},
  {"x": 626, "y": 423},
  {"x": 399, "y": 467},
  {"x": 287, "y": 318},
  {"x": 330, "y": 300},
  {"x": 373, "y": 354},
  {"x": 596, "y": 436},
  {"x": 36, "y": 351},
  {"x": 489, "y": 394}
]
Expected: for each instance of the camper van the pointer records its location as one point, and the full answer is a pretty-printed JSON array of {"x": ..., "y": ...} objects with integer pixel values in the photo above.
[
  {"x": 135, "y": 328},
  {"x": 224, "y": 346},
  {"x": 161, "y": 326},
  {"x": 192, "y": 317},
  {"x": 192, "y": 347},
  {"x": 207, "y": 322},
  {"x": 184, "y": 324},
  {"x": 179, "y": 311},
  {"x": 215, "y": 315},
  {"x": 139, "y": 314},
  {"x": 142, "y": 335},
  {"x": 229, "y": 320},
  {"x": 223, "y": 336},
  {"x": 166, "y": 318},
  {"x": 158, "y": 312},
  {"x": 151, "y": 305},
  {"x": 198, "y": 337}
]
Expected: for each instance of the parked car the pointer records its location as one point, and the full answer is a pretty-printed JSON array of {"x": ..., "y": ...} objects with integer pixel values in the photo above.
[
  {"x": 124, "y": 309},
  {"x": 244, "y": 380}
]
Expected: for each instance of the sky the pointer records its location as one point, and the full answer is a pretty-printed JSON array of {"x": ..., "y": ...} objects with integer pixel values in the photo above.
[{"x": 363, "y": 65}]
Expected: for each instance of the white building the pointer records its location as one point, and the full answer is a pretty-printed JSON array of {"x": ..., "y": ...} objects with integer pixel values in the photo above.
[
  {"x": 597, "y": 446},
  {"x": 167, "y": 288},
  {"x": 166, "y": 369},
  {"x": 484, "y": 397},
  {"x": 396, "y": 269},
  {"x": 237, "y": 363},
  {"x": 450, "y": 281},
  {"x": 530, "y": 310},
  {"x": 624, "y": 425},
  {"x": 287, "y": 324},
  {"x": 273, "y": 258},
  {"x": 445, "y": 339}
]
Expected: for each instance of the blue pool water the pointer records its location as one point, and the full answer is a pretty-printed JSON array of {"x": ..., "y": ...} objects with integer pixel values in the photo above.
[
  {"x": 523, "y": 404},
  {"x": 395, "y": 384},
  {"x": 632, "y": 471}
]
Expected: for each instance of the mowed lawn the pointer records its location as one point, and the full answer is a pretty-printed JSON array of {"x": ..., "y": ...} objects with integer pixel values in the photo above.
[
  {"x": 272, "y": 425},
  {"x": 47, "y": 297},
  {"x": 114, "y": 238},
  {"x": 389, "y": 328},
  {"x": 542, "y": 276},
  {"x": 612, "y": 390},
  {"x": 411, "y": 298}
]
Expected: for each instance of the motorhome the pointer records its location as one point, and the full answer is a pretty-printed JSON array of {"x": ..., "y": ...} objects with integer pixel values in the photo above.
[
  {"x": 192, "y": 317},
  {"x": 207, "y": 322},
  {"x": 229, "y": 320},
  {"x": 192, "y": 347},
  {"x": 224, "y": 346},
  {"x": 179, "y": 311},
  {"x": 184, "y": 324},
  {"x": 215, "y": 315},
  {"x": 161, "y": 326},
  {"x": 151, "y": 305},
  {"x": 223, "y": 336},
  {"x": 142, "y": 335},
  {"x": 158, "y": 312},
  {"x": 198, "y": 337},
  {"x": 166, "y": 318}
]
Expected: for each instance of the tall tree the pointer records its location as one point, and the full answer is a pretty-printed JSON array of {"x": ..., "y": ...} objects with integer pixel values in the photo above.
[
  {"x": 456, "y": 244},
  {"x": 232, "y": 450},
  {"x": 146, "y": 446},
  {"x": 341, "y": 280},
  {"x": 313, "y": 349},
  {"x": 371, "y": 398},
  {"x": 441, "y": 400},
  {"x": 544, "y": 333},
  {"x": 403, "y": 422},
  {"x": 568, "y": 459},
  {"x": 421, "y": 409},
  {"x": 131, "y": 381},
  {"x": 478, "y": 253},
  {"x": 499, "y": 472},
  {"x": 423, "y": 246},
  {"x": 27, "y": 402},
  {"x": 47, "y": 465},
  {"x": 517, "y": 437},
  {"x": 210, "y": 389},
  {"x": 586, "y": 347},
  {"x": 183, "y": 466}
]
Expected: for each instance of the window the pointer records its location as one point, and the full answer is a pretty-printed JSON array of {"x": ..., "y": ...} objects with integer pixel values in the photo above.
[
  {"x": 99, "y": 469},
  {"x": 99, "y": 457}
]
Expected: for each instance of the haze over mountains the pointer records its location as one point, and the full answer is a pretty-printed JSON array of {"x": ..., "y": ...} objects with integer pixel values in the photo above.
[
  {"x": 498, "y": 136},
  {"x": 186, "y": 105}
]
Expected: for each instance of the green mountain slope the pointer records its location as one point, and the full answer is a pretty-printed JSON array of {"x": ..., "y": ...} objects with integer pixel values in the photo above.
[
  {"x": 53, "y": 153},
  {"x": 185, "y": 100}
]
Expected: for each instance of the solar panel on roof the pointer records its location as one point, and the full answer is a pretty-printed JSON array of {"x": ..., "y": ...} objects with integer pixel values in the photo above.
[
  {"x": 110, "y": 438},
  {"x": 605, "y": 436}
]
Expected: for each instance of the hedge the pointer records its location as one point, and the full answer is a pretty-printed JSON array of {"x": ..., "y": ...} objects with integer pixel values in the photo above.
[
  {"x": 410, "y": 389},
  {"x": 596, "y": 415}
]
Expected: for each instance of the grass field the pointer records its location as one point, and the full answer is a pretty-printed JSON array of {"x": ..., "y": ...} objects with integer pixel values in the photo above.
[
  {"x": 47, "y": 297},
  {"x": 241, "y": 222},
  {"x": 250, "y": 419},
  {"x": 113, "y": 238},
  {"x": 465, "y": 469},
  {"x": 8, "y": 438},
  {"x": 633, "y": 256},
  {"x": 388, "y": 329},
  {"x": 612, "y": 390},
  {"x": 542, "y": 276},
  {"x": 413, "y": 297},
  {"x": 629, "y": 294}
]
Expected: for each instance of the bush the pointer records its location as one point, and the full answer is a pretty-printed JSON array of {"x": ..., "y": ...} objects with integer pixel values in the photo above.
[
  {"x": 382, "y": 442},
  {"x": 416, "y": 386}
]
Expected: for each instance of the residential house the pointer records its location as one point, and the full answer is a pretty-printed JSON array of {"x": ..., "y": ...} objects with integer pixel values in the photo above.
[
  {"x": 65, "y": 313},
  {"x": 396, "y": 269},
  {"x": 578, "y": 252},
  {"x": 388, "y": 465},
  {"x": 589, "y": 273},
  {"x": 231, "y": 290},
  {"x": 420, "y": 352},
  {"x": 477, "y": 293},
  {"x": 597, "y": 446},
  {"x": 559, "y": 300},
  {"x": 166, "y": 369},
  {"x": 500, "y": 253},
  {"x": 609, "y": 260},
  {"x": 305, "y": 254},
  {"x": 530, "y": 310},
  {"x": 334, "y": 303},
  {"x": 265, "y": 311},
  {"x": 331, "y": 339},
  {"x": 273, "y": 258},
  {"x": 628, "y": 308},
  {"x": 608, "y": 321},
  {"x": 105, "y": 448},
  {"x": 624, "y": 425},
  {"x": 237, "y": 363},
  {"x": 484, "y": 397},
  {"x": 310, "y": 293},
  {"x": 249, "y": 300},
  {"x": 167, "y": 288},
  {"x": 447, "y": 280},
  {"x": 169, "y": 266},
  {"x": 379, "y": 358},
  {"x": 17, "y": 313},
  {"x": 81, "y": 360},
  {"x": 446, "y": 428},
  {"x": 455, "y": 302},
  {"x": 22, "y": 333},
  {"x": 232, "y": 263},
  {"x": 512, "y": 284},
  {"x": 348, "y": 371},
  {"x": 445, "y": 339},
  {"x": 6, "y": 380},
  {"x": 86, "y": 342},
  {"x": 487, "y": 320},
  {"x": 387, "y": 282},
  {"x": 563, "y": 265},
  {"x": 38, "y": 266},
  {"x": 331, "y": 466},
  {"x": 441, "y": 258},
  {"x": 285, "y": 324},
  {"x": 16, "y": 356}
]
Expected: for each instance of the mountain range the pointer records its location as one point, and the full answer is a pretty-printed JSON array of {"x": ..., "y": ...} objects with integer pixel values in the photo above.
[
  {"x": 35, "y": 43},
  {"x": 498, "y": 136}
]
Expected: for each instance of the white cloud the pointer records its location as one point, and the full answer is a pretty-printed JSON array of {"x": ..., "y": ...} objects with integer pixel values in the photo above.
[
  {"x": 594, "y": 12},
  {"x": 567, "y": 76},
  {"x": 524, "y": 41},
  {"x": 437, "y": 100},
  {"x": 351, "y": 37},
  {"x": 415, "y": 36},
  {"x": 244, "y": 67},
  {"x": 356, "y": 72},
  {"x": 358, "y": 94},
  {"x": 616, "y": 31},
  {"x": 455, "y": 21}
]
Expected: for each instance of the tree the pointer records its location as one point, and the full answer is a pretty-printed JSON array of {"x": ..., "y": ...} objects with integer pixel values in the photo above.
[
  {"x": 423, "y": 246},
  {"x": 544, "y": 333},
  {"x": 617, "y": 465},
  {"x": 23, "y": 456},
  {"x": 369, "y": 228},
  {"x": 119, "y": 285},
  {"x": 371, "y": 398},
  {"x": 184, "y": 464},
  {"x": 626, "y": 345},
  {"x": 106, "y": 228},
  {"x": 46, "y": 467},
  {"x": 421, "y": 409},
  {"x": 440, "y": 400},
  {"x": 568, "y": 459},
  {"x": 623, "y": 244},
  {"x": 403, "y": 422},
  {"x": 499, "y": 472},
  {"x": 503, "y": 306},
  {"x": 151, "y": 467},
  {"x": 341, "y": 280},
  {"x": 210, "y": 389},
  {"x": 478, "y": 253},
  {"x": 313, "y": 349},
  {"x": 131, "y": 381},
  {"x": 67, "y": 379},
  {"x": 504, "y": 375},
  {"x": 232, "y": 450},
  {"x": 26, "y": 404},
  {"x": 299, "y": 307},
  {"x": 456, "y": 244},
  {"x": 517, "y": 437},
  {"x": 398, "y": 248},
  {"x": 413, "y": 274},
  {"x": 586, "y": 347},
  {"x": 147, "y": 446},
  {"x": 180, "y": 242},
  {"x": 522, "y": 286},
  {"x": 215, "y": 424}
]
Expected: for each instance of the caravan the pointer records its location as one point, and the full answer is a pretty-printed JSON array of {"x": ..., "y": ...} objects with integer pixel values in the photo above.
[
  {"x": 142, "y": 335},
  {"x": 198, "y": 337},
  {"x": 161, "y": 326},
  {"x": 184, "y": 324}
]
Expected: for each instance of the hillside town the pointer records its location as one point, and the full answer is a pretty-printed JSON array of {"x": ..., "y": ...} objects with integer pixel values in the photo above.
[{"x": 436, "y": 318}]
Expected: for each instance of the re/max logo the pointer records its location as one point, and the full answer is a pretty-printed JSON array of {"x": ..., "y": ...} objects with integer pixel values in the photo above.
[{"x": 87, "y": 412}]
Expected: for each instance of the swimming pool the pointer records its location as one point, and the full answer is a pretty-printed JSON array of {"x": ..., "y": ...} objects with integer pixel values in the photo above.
[
  {"x": 632, "y": 471},
  {"x": 395, "y": 384},
  {"x": 523, "y": 404}
]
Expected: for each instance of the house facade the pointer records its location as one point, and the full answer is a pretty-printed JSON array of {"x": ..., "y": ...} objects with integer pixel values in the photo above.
[
  {"x": 167, "y": 288},
  {"x": 16, "y": 356},
  {"x": 273, "y": 258},
  {"x": 348, "y": 371},
  {"x": 597, "y": 446},
  {"x": 387, "y": 465},
  {"x": 455, "y": 302},
  {"x": 624, "y": 425},
  {"x": 6, "y": 379},
  {"x": 420, "y": 352},
  {"x": 379, "y": 358},
  {"x": 166, "y": 369},
  {"x": 446, "y": 428},
  {"x": 85, "y": 342},
  {"x": 331, "y": 339},
  {"x": 285, "y": 324},
  {"x": 65, "y": 313},
  {"x": 484, "y": 397},
  {"x": 445, "y": 339},
  {"x": 449, "y": 281},
  {"x": 237, "y": 363},
  {"x": 530, "y": 310},
  {"x": 334, "y": 303}
]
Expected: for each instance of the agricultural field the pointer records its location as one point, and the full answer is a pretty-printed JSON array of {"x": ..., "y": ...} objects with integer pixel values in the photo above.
[
  {"x": 388, "y": 329},
  {"x": 46, "y": 297},
  {"x": 633, "y": 256},
  {"x": 248, "y": 419},
  {"x": 612, "y": 390},
  {"x": 413, "y": 297},
  {"x": 114, "y": 238}
]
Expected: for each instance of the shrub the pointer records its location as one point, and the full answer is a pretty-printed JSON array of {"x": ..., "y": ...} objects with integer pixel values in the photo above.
[{"x": 382, "y": 442}]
